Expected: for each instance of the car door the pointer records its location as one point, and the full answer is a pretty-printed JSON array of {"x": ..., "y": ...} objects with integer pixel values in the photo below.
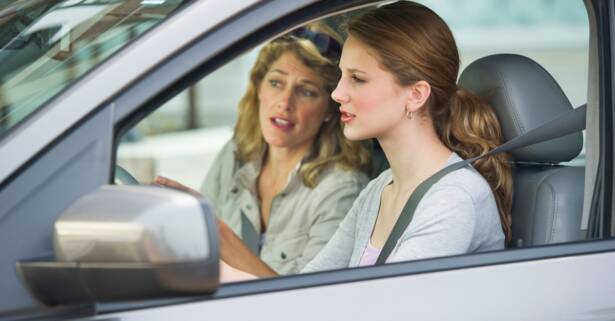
[{"x": 546, "y": 283}]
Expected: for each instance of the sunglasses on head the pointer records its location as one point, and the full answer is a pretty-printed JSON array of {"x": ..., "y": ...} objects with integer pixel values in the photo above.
[{"x": 326, "y": 45}]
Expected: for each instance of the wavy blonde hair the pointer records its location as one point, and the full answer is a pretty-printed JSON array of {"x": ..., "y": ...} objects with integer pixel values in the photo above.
[
  {"x": 330, "y": 145},
  {"x": 414, "y": 43}
]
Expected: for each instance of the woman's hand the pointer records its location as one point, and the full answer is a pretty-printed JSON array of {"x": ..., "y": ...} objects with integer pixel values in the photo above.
[
  {"x": 167, "y": 182},
  {"x": 232, "y": 249}
]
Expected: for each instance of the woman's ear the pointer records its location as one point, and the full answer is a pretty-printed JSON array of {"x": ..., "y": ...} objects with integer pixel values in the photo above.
[{"x": 418, "y": 93}]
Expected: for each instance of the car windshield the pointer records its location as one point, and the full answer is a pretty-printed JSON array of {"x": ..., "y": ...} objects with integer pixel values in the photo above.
[{"x": 45, "y": 46}]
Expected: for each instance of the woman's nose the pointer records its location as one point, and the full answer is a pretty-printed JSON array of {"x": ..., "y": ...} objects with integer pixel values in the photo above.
[
  {"x": 339, "y": 95},
  {"x": 286, "y": 100}
]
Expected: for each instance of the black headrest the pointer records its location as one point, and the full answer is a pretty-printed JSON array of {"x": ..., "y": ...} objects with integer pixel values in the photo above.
[{"x": 524, "y": 96}]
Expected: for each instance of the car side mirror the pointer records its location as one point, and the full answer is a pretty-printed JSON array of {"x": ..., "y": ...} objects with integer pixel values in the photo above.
[{"x": 128, "y": 243}]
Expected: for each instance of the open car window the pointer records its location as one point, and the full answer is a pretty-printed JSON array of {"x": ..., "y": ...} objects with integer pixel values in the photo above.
[{"x": 182, "y": 138}]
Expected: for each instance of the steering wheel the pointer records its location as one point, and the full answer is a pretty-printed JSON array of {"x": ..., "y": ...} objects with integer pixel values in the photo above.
[{"x": 123, "y": 177}]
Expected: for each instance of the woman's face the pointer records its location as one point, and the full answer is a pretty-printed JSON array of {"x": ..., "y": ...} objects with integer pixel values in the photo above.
[
  {"x": 292, "y": 103},
  {"x": 371, "y": 101}
]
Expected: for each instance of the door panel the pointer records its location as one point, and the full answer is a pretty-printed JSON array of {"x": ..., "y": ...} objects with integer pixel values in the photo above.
[{"x": 568, "y": 288}]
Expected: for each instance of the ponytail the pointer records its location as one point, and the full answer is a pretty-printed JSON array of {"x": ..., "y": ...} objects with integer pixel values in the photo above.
[{"x": 472, "y": 129}]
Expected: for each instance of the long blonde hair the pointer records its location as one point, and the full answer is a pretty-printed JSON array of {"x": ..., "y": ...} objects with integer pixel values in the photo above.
[
  {"x": 330, "y": 145},
  {"x": 414, "y": 43}
]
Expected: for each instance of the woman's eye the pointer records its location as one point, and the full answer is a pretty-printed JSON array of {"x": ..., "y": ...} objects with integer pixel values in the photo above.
[
  {"x": 356, "y": 79},
  {"x": 275, "y": 83},
  {"x": 308, "y": 93}
]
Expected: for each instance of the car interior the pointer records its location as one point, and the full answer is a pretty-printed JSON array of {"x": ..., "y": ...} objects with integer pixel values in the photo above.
[
  {"x": 548, "y": 190},
  {"x": 548, "y": 197}
]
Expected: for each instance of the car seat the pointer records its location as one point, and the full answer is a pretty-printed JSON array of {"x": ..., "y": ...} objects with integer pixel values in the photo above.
[{"x": 548, "y": 196}]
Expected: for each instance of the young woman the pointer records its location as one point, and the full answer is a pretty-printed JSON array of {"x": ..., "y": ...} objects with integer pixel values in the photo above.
[
  {"x": 284, "y": 182},
  {"x": 399, "y": 70}
]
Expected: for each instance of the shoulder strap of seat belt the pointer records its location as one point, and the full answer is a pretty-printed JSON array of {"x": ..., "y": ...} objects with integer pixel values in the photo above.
[
  {"x": 567, "y": 123},
  {"x": 249, "y": 235}
]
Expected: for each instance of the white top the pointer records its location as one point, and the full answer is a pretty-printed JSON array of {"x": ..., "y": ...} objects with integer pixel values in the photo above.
[{"x": 457, "y": 215}]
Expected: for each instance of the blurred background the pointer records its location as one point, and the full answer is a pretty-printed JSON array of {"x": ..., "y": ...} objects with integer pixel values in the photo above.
[{"x": 180, "y": 139}]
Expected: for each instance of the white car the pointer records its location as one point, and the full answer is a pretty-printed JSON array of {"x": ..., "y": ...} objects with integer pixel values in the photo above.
[{"x": 76, "y": 75}]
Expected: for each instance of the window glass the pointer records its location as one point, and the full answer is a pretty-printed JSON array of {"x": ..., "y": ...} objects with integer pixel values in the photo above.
[{"x": 45, "y": 46}]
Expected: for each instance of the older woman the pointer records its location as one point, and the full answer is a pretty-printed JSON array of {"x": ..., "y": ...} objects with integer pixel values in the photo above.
[{"x": 288, "y": 176}]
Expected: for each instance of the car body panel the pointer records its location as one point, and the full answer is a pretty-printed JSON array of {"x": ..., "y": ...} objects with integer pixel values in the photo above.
[{"x": 568, "y": 288}]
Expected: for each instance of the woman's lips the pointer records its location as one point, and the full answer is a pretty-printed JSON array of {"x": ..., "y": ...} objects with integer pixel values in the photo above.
[
  {"x": 346, "y": 117},
  {"x": 283, "y": 124}
]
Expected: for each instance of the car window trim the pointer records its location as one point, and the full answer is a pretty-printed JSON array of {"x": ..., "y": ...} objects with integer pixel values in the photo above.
[
  {"x": 608, "y": 68},
  {"x": 601, "y": 207}
]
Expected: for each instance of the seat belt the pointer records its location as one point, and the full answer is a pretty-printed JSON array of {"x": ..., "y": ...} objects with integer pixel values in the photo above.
[
  {"x": 249, "y": 235},
  {"x": 569, "y": 122}
]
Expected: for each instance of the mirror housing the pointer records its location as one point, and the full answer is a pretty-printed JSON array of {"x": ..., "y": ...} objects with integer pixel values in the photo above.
[{"x": 128, "y": 243}]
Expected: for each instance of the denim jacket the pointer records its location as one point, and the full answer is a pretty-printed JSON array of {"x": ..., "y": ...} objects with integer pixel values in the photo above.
[{"x": 301, "y": 219}]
